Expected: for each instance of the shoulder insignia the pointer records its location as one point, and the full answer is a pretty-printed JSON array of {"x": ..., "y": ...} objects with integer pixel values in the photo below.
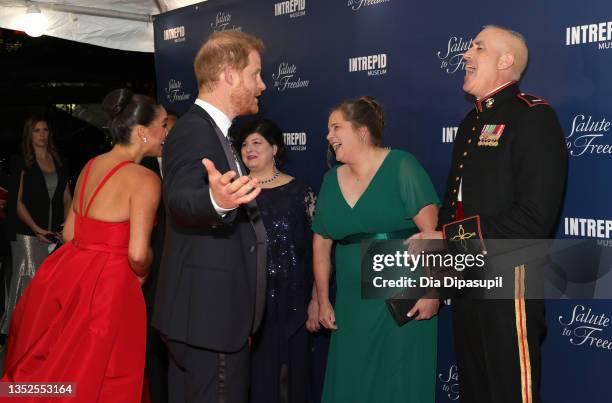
[{"x": 531, "y": 100}]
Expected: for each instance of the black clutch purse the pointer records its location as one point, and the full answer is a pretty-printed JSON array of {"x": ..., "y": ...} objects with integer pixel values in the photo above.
[{"x": 399, "y": 308}]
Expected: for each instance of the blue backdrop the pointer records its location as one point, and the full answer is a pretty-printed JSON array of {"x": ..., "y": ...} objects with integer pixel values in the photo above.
[{"x": 408, "y": 56}]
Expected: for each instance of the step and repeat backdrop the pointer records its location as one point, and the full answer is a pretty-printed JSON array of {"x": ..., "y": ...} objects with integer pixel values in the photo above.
[{"x": 408, "y": 55}]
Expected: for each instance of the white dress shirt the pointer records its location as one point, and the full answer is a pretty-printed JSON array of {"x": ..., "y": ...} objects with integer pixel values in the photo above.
[{"x": 223, "y": 122}]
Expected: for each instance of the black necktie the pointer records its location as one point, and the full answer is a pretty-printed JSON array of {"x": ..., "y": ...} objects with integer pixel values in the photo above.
[{"x": 237, "y": 161}]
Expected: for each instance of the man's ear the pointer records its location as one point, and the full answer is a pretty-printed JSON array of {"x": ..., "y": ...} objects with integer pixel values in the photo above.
[
  {"x": 229, "y": 75},
  {"x": 505, "y": 61}
]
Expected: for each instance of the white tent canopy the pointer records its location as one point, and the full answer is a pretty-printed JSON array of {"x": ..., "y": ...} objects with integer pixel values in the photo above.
[{"x": 117, "y": 24}]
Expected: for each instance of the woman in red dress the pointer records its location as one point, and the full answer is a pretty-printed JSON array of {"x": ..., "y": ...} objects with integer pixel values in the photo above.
[{"x": 82, "y": 319}]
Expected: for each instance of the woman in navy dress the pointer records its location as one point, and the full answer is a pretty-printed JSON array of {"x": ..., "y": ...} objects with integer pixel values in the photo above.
[{"x": 281, "y": 350}]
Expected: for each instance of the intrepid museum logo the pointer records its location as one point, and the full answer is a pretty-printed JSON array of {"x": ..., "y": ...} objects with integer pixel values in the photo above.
[
  {"x": 174, "y": 92},
  {"x": 599, "y": 33},
  {"x": 223, "y": 22},
  {"x": 374, "y": 65},
  {"x": 451, "y": 58},
  {"x": 586, "y": 328},
  {"x": 588, "y": 136},
  {"x": 286, "y": 78},
  {"x": 295, "y": 141},
  {"x": 176, "y": 34},
  {"x": 293, "y": 8},
  {"x": 358, "y": 4},
  {"x": 588, "y": 227},
  {"x": 449, "y": 134}
]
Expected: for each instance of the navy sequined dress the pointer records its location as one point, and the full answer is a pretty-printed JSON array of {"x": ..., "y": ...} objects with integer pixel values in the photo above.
[{"x": 281, "y": 349}]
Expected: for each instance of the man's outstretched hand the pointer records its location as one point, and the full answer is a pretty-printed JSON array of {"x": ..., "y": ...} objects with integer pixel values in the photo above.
[{"x": 230, "y": 194}]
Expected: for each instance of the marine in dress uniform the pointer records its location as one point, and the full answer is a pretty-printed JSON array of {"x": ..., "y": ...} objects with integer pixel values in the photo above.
[{"x": 506, "y": 182}]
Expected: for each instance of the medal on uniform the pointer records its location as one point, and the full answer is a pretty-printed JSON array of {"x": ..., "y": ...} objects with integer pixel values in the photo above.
[{"x": 490, "y": 134}]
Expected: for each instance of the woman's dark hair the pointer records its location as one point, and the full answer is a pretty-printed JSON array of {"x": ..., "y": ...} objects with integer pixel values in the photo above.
[
  {"x": 26, "y": 141},
  {"x": 364, "y": 111},
  {"x": 268, "y": 129},
  {"x": 127, "y": 110}
]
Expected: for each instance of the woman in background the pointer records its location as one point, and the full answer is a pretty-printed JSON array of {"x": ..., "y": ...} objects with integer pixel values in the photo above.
[
  {"x": 42, "y": 203},
  {"x": 280, "y": 369},
  {"x": 376, "y": 193},
  {"x": 83, "y": 318}
]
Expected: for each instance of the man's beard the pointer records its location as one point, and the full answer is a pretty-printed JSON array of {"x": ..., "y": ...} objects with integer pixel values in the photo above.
[{"x": 242, "y": 101}]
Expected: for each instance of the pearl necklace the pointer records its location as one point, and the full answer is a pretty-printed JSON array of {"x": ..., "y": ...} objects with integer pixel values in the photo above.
[{"x": 269, "y": 180}]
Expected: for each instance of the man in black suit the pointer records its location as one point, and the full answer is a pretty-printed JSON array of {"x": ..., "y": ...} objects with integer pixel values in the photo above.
[
  {"x": 156, "y": 366},
  {"x": 211, "y": 287}
]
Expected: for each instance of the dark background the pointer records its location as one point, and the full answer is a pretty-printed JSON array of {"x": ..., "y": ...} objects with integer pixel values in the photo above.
[{"x": 65, "y": 81}]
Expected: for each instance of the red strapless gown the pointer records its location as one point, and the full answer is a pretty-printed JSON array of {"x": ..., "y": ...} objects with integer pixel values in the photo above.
[{"x": 82, "y": 319}]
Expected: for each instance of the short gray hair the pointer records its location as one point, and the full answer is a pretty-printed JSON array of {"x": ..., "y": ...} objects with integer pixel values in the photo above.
[
  {"x": 512, "y": 32},
  {"x": 521, "y": 58}
]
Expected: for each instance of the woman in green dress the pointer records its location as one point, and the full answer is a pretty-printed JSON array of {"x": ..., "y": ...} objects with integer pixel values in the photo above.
[{"x": 375, "y": 190}]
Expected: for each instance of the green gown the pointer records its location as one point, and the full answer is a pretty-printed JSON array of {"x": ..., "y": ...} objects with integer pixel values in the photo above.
[{"x": 371, "y": 359}]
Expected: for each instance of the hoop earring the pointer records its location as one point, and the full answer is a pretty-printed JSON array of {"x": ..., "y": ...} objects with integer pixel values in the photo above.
[{"x": 144, "y": 140}]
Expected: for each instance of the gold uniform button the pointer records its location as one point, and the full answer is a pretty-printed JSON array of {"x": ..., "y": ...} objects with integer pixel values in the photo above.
[
  {"x": 469, "y": 141},
  {"x": 460, "y": 166},
  {"x": 453, "y": 203},
  {"x": 464, "y": 153},
  {"x": 474, "y": 128},
  {"x": 452, "y": 216},
  {"x": 456, "y": 179},
  {"x": 454, "y": 190}
]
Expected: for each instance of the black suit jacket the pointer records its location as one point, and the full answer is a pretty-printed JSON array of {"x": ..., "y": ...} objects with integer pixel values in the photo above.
[
  {"x": 157, "y": 243},
  {"x": 35, "y": 196},
  {"x": 211, "y": 287}
]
